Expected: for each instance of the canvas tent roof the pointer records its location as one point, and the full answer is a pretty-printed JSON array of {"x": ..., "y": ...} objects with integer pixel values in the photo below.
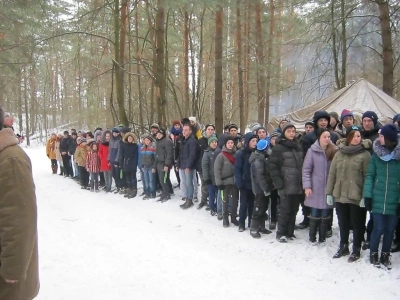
[{"x": 358, "y": 97}]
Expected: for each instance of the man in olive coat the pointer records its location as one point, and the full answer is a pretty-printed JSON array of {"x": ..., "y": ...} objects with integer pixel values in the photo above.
[{"x": 19, "y": 275}]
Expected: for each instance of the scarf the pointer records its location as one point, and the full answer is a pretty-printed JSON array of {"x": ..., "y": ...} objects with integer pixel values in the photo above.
[
  {"x": 230, "y": 157},
  {"x": 176, "y": 131},
  {"x": 352, "y": 149}
]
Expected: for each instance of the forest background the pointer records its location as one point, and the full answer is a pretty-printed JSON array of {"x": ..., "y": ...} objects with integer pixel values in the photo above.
[{"x": 89, "y": 63}]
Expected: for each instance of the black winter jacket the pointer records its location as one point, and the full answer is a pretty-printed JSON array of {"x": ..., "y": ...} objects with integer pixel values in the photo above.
[
  {"x": 128, "y": 154},
  {"x": 164, "y": 153},
  {"x": 207, "y": 164},
  {"x": 260, "y": 179},
  {"x": 65, "y": 144},
  {"x": 188, "y": 153},
  {"x": 285, "y": 166}
]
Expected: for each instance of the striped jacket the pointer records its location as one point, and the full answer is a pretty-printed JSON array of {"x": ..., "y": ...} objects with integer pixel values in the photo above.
[
  {"x": 148, "y": 154},
  {"x": 93, "y": 161}
]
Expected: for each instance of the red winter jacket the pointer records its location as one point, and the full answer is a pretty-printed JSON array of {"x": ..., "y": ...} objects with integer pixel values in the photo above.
[{"x": 103, "y": 154}]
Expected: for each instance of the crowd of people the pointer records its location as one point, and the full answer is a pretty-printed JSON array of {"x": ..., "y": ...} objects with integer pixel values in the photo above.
[{"x": 251, "y": 179}]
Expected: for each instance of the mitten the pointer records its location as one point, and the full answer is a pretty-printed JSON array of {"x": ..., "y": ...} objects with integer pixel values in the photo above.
[
  {"x": 329, "y": 199},
  {"x": 362, "y": 202}
]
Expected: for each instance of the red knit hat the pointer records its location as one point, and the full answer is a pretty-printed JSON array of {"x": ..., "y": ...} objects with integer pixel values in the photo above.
[
  {"x": 346, "y": 113},
  {"x": 176, "y": 122}
]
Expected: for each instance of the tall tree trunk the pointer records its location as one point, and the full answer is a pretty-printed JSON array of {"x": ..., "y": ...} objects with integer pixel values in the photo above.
[
  {"x": 242, "y": 118},
  {"x": 26, "y": 106},
  {"x": 247, "y": 49},
  {"x": 160, "y": 62},
  {"x": 260, "y": 63},
  {"x": 387, "y": 48},
  {"x": 344, "y": 45},
  {"x": 269, "y": 58},
  {"x": 186, "y": 64},
  {"x": 138, "y": 70},
  {"x": 334, "y": 49},
  {"x": 219, "y": 113},
  {"x": 200, "y": 67}
]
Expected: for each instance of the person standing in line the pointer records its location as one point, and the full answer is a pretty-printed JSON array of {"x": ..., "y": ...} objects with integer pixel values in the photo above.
[
  {"x": 105, "y": 165},
  {"x": 148, "y": 153},
  {"x": 80, "y": 156},
  {"x": 19, "y": 260},
  {"x": 113, "y": 149},
  {"x": 93, "y": 166},
  {"x": 65, "y": 145},
  {"x": 128, "y": 160},
  {"x": 51, "y": 152},
  {"x": 207, "y": 165},
  {"x": 344, "y": 187},
  {"x": 382, "y": 193},
  {"x": 315, "y": 176},
  {"x": 284, "y": 165},
  {"x": 176, "y": 133}
]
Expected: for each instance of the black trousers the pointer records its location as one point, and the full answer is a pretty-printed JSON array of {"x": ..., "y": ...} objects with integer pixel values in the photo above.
[
  {"x": 67, "y": 165},
  {"x": 204, "y": 190},
  {"x": 231, "y": 192},
  {"x": 84, "y": 176},
  {"x": 166, "y": 185},
  {"x": 288, "y": 208},
  {"x": 351, "y": 214},
  {"x": 259, "y": 211},
  {"x": 273, "y": 198}
]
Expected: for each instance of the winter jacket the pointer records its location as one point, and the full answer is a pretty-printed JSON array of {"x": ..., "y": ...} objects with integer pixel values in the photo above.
[
  {"x": 51, "y": 148},
  {"x": 188, "y": 154},
  {"x": 348, "y": 171},
  {"x": 164, "y": 155},
  {"x": 371, "y": 135},
  {"x": 311, "y": 137},
  {"x": 65, "y": 144},
  {"x": 148, "y": 155},
  {"x": 128, "y": 154},
  {"x": 382, "y": 182},
  {"x": 260, "y": 179},
  {"x": 285, "y": 165},
  {"x": 224, "y": 170},
  {"x": 92, "y": 161},
  {"x": 242, "y": 165},
  {"x": 203, "y": 145},
  {"x": 207, "y": 165},
  {"x": 315, "y": 176},
  {"x": 57, "y": 150},
  {"x": 80, "y": 155},
  {"x": 72, "y": 146},
  {"x": 340, "y": 131},
  {"x": 18, "y": 222},
  {"x": 104, "y": 152},
  {"x": 175, "y": 136},
  {"x": 113, "y": 149}
]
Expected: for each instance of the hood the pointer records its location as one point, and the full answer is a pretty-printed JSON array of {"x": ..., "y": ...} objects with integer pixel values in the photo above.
[
  {"x": 103, "y": 135},
  {"x": 382, "y": 151},
  {"x": 97, "y": 133},
  {"x": 247, "y": 137},
  {"x": 125, "y": 139},
  {"x": 222, "y": 140},
  {"x": 256, "y": 155},
  {"x": 233, "y": 151},
  {"x": 7, "y": 138},
  {"x": 316, "y": 147}
]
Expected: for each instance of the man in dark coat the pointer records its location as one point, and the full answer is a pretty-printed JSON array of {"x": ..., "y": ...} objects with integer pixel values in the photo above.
[
  {"x": 65, "y": 148},
  {"x": 19, "y": 272}
]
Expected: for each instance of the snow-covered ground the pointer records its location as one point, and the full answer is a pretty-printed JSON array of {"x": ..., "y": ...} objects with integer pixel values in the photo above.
[{"x": 98, "y": 246}]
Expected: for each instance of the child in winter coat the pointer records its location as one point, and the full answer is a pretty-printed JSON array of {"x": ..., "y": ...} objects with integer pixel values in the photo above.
[
  {"x": 80, "y": 157},
  {"x": 315, "y": 175},
  {"x": 93, "y": 166},
  {"x": 207, "y": 166},
  {"x": 382, "y": 193},
  {"x": 224, "y": 169},
  {"x": 51, "y": 152},
  {"x": 148, "y": 152},
  {"x": 105, "y": 165},
  {"x": 261, "y": 185},
  {"x": 128, "y": 160},
  {"x": 345, "y": 187}
]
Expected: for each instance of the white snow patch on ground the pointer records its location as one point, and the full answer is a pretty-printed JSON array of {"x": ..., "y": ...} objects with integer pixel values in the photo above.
[{"x": 104, "y": 246}]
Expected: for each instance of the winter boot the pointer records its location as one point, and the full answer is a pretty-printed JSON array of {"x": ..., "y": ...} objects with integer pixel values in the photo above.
[
  {"x": 355, "y": 255},
  {"x": 281, "y": 239},
  {"x": 202, "y": 204},
  {"x": 304, "y": 224},
  {"x": 132, "y": 194},
  {"x": 314, "y": 222},
  {"x": 146, "y": 197},
  {"x": 188, "y": 203},
  {"x": 213, "y": 212},
  {"x": 241, "y": 227},
  {"x": 342, "y": 251},
  {"x": 374, "y": 260},
  {"x": 166, "y": 198},
  {"x": 96, "y": 187},
  {"x": 272, "y": 226},
  {"x": 54, "y": 169},
  {"x": 365, "y": 245},
  {"x": 128, "y": 191},
  {"x": 61, "y": 171},
  {"x": 385, "y": 260},
  {"x": 219, "y": 217},
  {"x": 92, "y": 186},
  {"x": 323, "y": 228},
  {"x": 225, "y": 222},
  {"x": 234, "y": 221},
  {"x": 263, "y": 229},
  {"x": 254, "y": 227}
]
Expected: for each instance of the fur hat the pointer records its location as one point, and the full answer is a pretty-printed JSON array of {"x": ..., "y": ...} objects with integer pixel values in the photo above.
[
  {"x": 321, "y": 114},
  {"x": 389, "y": 132}
]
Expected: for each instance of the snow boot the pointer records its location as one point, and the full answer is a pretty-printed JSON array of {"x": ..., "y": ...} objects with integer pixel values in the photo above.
[
  {"x": 166, "y": 198},
  {"x": 323, "y": 229},
  {"x": 225, "y": 222},
  {"x": 263, "y": 229},
  {"x": 128, "y": 191},
  {"x": 202, "y": 204},
  {"x": 213, "y": 212},
  {"x": 385, "y": 260},
  {"x": 54, "y": 169},
  {"x": 219, "y": 217},
  {"x": 188, "y": 203},
  {"x": 365, "y": 245},
  {"x": 242, "y": 227},
  {"x": 304, "y": 224},
  {"x": 132, "y": 194},
  {"x": 146, "y": 197},
  {"x": 96, "y": 187},
  {"x": 343, "y": 250},
  {"x": 61, "y": 171},
  {"x": 355, "y": 255},
  {"x": 92, "y": 186},
  {"x": 254, "y": 227},
  {"x": 281, "y": 239},
  {"x": 234, "y": 221},
  {"x": 314, "y": 222},
  {"x": 374, "y": 260},
  {"x": 255, "y": 234}
]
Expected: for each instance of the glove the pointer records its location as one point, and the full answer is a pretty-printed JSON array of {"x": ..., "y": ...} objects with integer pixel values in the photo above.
[
  {"x": 398, "y": 210},
  {"x": 281, "y": 193},
  {"x": 220, "y": 187},
  {"x": 207, "y": 182},
  {"x": 329, "y": 199},
  {"x": 362, "y": 202},
  {"x": 368, "y": 203}
]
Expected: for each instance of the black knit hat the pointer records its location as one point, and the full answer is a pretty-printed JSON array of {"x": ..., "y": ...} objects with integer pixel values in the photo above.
[
  {"x": 389, "y": 132},
  {"x": 309, "y": 123},
  {"x": 124, "y": 130},
  {"x": 352, "y": 128},
  {"x": 162, "y": 131},
  {"x": 321, "y": 114},
  {"x": 287, "y": 125},
  {"x": 372, "y": 115},
  {"x": 229, "y": 138}
]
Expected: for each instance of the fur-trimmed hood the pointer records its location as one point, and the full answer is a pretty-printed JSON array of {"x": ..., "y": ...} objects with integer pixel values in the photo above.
[
  {"x": 366, "y": 143},
  {"x": 7, "y": 138},
  {"x": 103, "y": 135},
  {"x": 125, "y": 139},
  {"x": 382, "y": 151}
]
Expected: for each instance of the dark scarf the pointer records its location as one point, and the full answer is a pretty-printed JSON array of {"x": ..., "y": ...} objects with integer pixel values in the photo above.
[
  {"x": 353, "y": 149},
  {"x": 290, "y": 144},
  {"x": 176, "y": 131},
  {"x": 229, "y": 156}
]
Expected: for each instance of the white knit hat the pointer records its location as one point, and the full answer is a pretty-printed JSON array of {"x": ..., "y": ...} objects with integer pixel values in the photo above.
[{"x": 193, "y": 119}]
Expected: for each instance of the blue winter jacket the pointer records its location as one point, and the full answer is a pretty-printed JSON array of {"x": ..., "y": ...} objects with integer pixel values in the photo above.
[
  {"x": 113, "y": 149},
  {"x": 188, "y": 153},
  {"x": 242, "y": 165}
]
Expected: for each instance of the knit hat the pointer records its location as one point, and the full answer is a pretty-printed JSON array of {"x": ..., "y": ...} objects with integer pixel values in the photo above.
[
  {"x": 309, "y": 123},
  {"x": 274, "y": 134},
  {"x": 284, "y": 118},
  {"x": 115, "y": 129},
  {"x": 121, "y": 125},
  {"x": 287, "y": 125},
  {"x": 233, "y": 126},
  {"x": 147, "y": 136},
  {"x": 212, "y": 139},
  {"x": 185, "y": 121},
  {"x": 321, "y": 114},
  {"x": 255, "y": 127},
  {"x": 389, "y": 132},
  {"x": 226, "y": 127},
  {"x": 261, "y": 127},
  {"x": 83, "y": 140},
  {"x": 352, "y": 128},
  {"x": 176, "y": 122},
  {"x": 66, "y": 132},
  {"x": 162, "y": 131},
  {"x": 155, "y": 125},
  {"x": 346, "y": 113},
  {"x": 396, "y": 118},
  {"x": 334, "y": 114},
  {"x": 192, "y": 119},
  {"x": 372, "y": 115},
  {"x": 262, "y": 145},
  {"x": 229, "y": 138}
]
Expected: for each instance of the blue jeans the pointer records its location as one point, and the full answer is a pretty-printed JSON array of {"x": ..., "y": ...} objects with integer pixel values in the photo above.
[
  {"x": 149, "y": 180},
  {"x": 383, "y": 224},
  {"x": 219, "y": 203},
  {"x": 116, "y": 175},
  {"x": 319, "y": 213},
  {"x": 246, "y": 205},
  {"x": 212, "y": 197},
  {"x": 187, "y": 182}
]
